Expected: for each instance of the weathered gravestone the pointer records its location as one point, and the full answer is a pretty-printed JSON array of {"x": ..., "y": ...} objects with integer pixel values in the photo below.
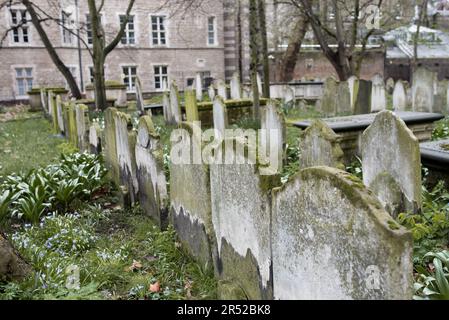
[
  {"x": 53, "y": 111},
  {"x": 95, "y": 139},
  {"x": 191, "y": 212},
  {"x": 392, "y": 163},
  {"x": 440, "y": 96},
  {"x": 44, "y": 100},
  {"x": 328, "y": 101},
  {"x": 199, "y": 87},
  {"x": 343, "y": 99},
  {"x": 71, "y": 124},
  {"x": 352, "y": 81},
  {"x": 222, "y": 90},
  {"x": 140, "y": 104},
  {"x": 331, "y": 239},
  {"x": 191, "y": 105},
  {"x": 362, "y": 97},
  {"x": 166, "y": 107},
  {"x": 320, "y": 146},
  {"x": 211, "y": 92},
  {"x": 82, "y": 125},
  {"x": 423, "y": 87},
  {"x": 236, "y": 90},
  {"x": 241, "y": 221},
  {"x": 174, "y": 116},
  {"x": 272, "y": 137},
  {"x": 153, "y": 196},
  {"x": 110, "y": 145},
  {"x": 399, "y": 97},
  {"x": 378, "y": 94},
  {"x": 288, "y": 96},
  {"x": 220, "y": 115},
  {"x": 259, "y": 84},
  {"x": 125, "y": 139},
  {"x": 60, "y": 114},
  {"x": 389, "y": 85}
]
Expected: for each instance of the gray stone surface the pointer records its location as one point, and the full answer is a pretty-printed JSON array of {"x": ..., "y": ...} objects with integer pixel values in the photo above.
[
  {"x": 190, "y": 197},
  {"x": 60, "y": 114},
  {"x": 343, "y": 99},
  {"x": 199, "y": 87},
  {"x": 273, "y": 135},
  {"x": 329, "y": 100},
  {"x": 320, "y": 146},
  {"x": 175, "y": 105},
  {"x": 220, "y": 115},
  {"x": 399, "y": 97},
  {"x": 236, "y": 89},
  {"x": 423, "y": 87},
  {"x": 332, "y": 240},
  {"x": 392, "y": 164},
  {"x": 241, "y": 220},
  {"x": 82, "y": 127},
  {"x": 140, "y": 104},
  {"x": 125, "y": 139},
  {"x": 362, "y": 96},
  {"x": 378, "y": 94},
  {"x": 95, "y": 138},
  {"x": 222, "y": 90},
  {"x": 153, "y": 195}
]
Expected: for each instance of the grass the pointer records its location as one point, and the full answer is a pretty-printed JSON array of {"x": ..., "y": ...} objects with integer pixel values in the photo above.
[
  {"x": 27, "y": 144},
  {"x": 121, "y": 255}
]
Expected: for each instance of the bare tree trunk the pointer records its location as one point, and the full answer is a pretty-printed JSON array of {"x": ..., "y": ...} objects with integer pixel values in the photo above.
[
  {"x": 264, "y": 40},
  {"x": 51, "y": 50},
  {"x": 12, "y": 265},
  {"x": 254, "y": 44},
  {"x": 422, "y": 13},
  {"x": 290, "y": 57}
]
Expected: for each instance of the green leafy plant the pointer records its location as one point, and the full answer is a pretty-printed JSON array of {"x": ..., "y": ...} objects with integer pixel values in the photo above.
[
  {"x": 441, "y": 130},
  {"x": 433, "y": 282},
  {"x": 5, "y": 202}
]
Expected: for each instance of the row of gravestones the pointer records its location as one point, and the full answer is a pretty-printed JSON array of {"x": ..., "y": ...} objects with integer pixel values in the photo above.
[
  {"x": 321, "y": 235},
  {"x": 355, "y": 96},
  {"x": 69, "y": 119}
]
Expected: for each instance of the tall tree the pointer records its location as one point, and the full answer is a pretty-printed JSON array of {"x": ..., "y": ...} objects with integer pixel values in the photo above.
[
  {"x": 254, "y": 49},
  {"x": 290, "y": 57},
  {"x": 421, "y": 20},
  {"x": 264, "y": 45},
  {"x": 101, "y": 50}
]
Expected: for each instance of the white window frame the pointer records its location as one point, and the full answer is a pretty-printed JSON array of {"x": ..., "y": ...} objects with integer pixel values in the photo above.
[
  {"x": 26, "y": 78},
  {"x": 127, "y": 31},
  {"x": 215, "y": 31},
  {"x": 161, "y": 75},
  {"x": 20, "y": 29},
  {"x": 67, "y": 28},
  {"x": 159, "y": 30},
  {"x": 129, "y": 87}
]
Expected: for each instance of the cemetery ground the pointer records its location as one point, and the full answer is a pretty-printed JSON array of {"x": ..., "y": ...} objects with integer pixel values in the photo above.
[{"x": 120, "y": 253}]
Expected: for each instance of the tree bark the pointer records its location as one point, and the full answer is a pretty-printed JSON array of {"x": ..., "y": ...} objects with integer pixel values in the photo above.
[
  {"x": 254, "y": 45},
  {"x": 264, "y": 40},
  {"x": 76, "y": 93},
  {"x": 290, "y": 57},
  {"x": 12, "y": 265},
  {"x": 101, "y": 50}
]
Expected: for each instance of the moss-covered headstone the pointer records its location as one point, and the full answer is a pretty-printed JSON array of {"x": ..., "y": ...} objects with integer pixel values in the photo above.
[
  {"x": 392, "y": 163},
  {"x": 332, "y": 240}
]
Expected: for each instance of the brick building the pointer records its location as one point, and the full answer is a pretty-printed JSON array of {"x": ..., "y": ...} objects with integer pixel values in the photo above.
[{"x": 160, "y": 43}]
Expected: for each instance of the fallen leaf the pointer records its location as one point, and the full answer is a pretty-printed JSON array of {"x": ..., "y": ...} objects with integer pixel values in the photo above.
[
  {"x": 155, "y": 287},
  {"x": 135, "y": 266}
]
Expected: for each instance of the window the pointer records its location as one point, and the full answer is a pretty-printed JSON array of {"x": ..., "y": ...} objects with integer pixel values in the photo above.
[
  {"x": 158, "y": 32},
  {"x": 19, "y": 25},
  {"x": 24, "y": 78},
  {"x": 91, "y": 75},
  {"x": 190, "y": 82},
  {"x": 129, "y": 77},
  {"x": 130, "y": 36},
  {"x": 207, "y": 79},
  {"x": 211, "y": 31},
  {"x": 89, "y": 28},
  {"x": 160, "y": 74},
  {"x": 67, "y": 26}
]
